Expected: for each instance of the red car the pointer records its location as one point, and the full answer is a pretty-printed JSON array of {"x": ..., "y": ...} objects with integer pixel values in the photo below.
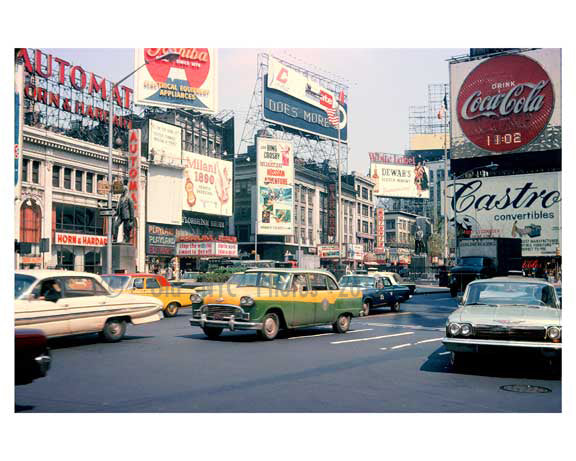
[{"x": 32, "y": 356}]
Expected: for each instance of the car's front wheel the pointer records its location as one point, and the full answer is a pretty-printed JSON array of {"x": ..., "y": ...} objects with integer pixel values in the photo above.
[
  {"x": 366, "y": 306},
  {"x": 212, "y": 332},
  {"x": 342, "y": 324},
  {"x": 114, "y": 330},
  {"x": 270, "y": 327},
  {"x": 395, "y": 307},
  {"x": 171, "y": 309}
]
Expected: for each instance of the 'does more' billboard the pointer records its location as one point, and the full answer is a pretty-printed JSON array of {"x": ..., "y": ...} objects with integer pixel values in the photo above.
[{"x": 504, "y": 104}]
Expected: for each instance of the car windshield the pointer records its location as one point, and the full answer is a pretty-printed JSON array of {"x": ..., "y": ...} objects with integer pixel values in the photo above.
[
  {"x": 510, "y": 294},
  {"x": 116, "y": 282},
  {"x": 277, "y": 280},
  {"x": 357, "y": 281},
  {"x": 236, "y": 279},
  {"x": 397, "y": 278},
  {"x": 22, "y": 283},
  {"x": 470, "y": 261}
]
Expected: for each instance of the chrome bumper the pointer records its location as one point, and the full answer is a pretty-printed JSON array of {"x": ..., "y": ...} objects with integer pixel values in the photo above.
[
  {"x": 471, "y": 344},
  {"x": 231, "y": 323}
]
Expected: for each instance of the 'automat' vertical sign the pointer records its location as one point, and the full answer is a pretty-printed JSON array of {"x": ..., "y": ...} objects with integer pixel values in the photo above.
[{"x": 134, "y": 149}]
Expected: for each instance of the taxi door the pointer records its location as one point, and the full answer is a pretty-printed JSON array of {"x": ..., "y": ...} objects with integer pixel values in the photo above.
[
  {"x": 324, "y": 293},
  {"x": 302, "y": 300}
]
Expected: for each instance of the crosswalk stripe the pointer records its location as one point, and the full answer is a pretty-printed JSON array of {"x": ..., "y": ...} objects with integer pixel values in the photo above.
[
  {"x": 327, "y": 334},
  {"x": 429, "y": 340},
  {"x": 401, "y": 345},
  {"x": 372, "y": 338},
  {"x": 398, "y": 325}
]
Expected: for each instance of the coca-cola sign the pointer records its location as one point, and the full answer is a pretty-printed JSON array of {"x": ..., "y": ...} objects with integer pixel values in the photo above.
[{"x": 505, "y": 102}]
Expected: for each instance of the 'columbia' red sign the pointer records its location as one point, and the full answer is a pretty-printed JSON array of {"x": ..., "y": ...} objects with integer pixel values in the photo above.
[{"x": 505, "y": 102}]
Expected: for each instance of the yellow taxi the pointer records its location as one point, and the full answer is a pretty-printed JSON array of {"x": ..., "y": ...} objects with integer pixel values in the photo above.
[{"x": 173, "y": 298}]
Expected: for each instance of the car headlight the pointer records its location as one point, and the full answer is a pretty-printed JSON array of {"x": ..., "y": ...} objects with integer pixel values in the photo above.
[
  {"x": 196, "y": 298},
  {"x": 554, "y": 333},
  {"x": 454, "y": 329},
  {"x": 246, "y": 301},
  {"x": 465, "y": 329}
]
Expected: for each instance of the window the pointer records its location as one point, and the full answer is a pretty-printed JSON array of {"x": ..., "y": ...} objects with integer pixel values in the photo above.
[
  {"x": 56, "y": 170},
  {"x": 83, "y": 220},
  {"x": 152, "y": 283},
  {"x": 311, "y": 197},
  {"x": 92, "y": 262},
  {"x": 302, "y": 215},
  {"x": 303, "y": 195},
  {"x": 317, "y": 282},
  {"x": 297, "y": 192},
  {"x": 365, "y": 193},
  {"x": 370, "y": 195},
  {"x": 30, "y": 223},
  {"x": 79, "y": 180},
  {"x": 310, "y": 217},
  {"x": 90, "y": 183},
  {"x": 65, "y": 260},
  {"x": 36, "y": 172},
  {"x": 25, "y": 168},
  {"x": 365, "y": 227},
  {"x": 76, "y": 287},
  {"x": 364, "y": 210},
  {"x": 310, "y": 239},
  {"x": 99, "y": 178},
  {"x": 138, "y": 283},
  {"x": 67, "y": 178}
]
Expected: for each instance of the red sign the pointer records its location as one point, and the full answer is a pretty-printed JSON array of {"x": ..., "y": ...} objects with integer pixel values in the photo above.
[
  {"x": 194, "y": 61},
  {"x": 380, "y": 231},
  {"x": 505, "y": 102},
  {"x": 80, "y": 240},
  {"x": 207, "y": 238},
  {"x": 134, "y": 146},
  {"x": 207, "y": 249}
]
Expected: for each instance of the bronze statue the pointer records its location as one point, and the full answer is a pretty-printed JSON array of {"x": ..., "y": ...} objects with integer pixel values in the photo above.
[
  {"x": 419, "y": 246},
  {"x": 124, "y": 215}
]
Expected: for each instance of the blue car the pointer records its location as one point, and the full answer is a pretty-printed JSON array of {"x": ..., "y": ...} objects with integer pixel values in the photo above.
[{"x": 377, "y": 291}]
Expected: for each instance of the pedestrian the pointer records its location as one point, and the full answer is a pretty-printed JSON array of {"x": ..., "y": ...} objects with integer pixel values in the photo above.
[{"x": 169, "y": 273}]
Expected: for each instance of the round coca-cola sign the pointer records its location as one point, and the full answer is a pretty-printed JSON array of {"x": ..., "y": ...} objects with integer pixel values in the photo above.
[{"x": 505, "y": 102}]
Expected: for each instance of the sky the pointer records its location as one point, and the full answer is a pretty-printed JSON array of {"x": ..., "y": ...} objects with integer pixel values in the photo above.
[{"x": 383, "y": 84}]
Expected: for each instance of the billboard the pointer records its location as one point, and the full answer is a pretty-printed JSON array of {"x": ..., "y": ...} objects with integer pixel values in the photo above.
[
  {"x": 160, "y": 240},
  {"x": 294, "y": 100},
  {"x": 207, "y": 184},
  {"x": 207, "y": 249},
  {"x": 397, "y": 180},
  {"x": 275, "y": 191},
  {"x": 526, "y": 206},
  {"x": 504, "y": 104},
  {"x": 164, "y": 143},
  {"x": 134, "y": 156},
  {"x": 188, "y": 83},
  {"x": 328, "y": 251}
]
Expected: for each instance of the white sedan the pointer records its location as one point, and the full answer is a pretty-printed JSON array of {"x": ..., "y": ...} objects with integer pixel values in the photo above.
[{"x": 67, "y": 303}]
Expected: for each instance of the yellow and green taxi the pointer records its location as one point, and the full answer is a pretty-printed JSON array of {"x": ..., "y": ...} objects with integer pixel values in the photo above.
[
  {"x": 173, "y": 298},
  {"x": 267, "y": 300}
]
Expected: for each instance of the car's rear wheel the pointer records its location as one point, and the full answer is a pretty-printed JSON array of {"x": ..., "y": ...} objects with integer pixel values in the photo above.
[
  {"x": 366, "y": 306},
  {"x": 395, "y": 307},
  {"x": 171, "y": 309},
  {"x": 114, "y": 330},
  {"x": 342, "y": 324},
  {"x": 270, "y": 327},
  {"x": 212, "y": 332}
]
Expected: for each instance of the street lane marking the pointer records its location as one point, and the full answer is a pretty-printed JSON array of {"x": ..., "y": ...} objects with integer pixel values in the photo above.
[
  {"x": 389, "y": 314},
  {"x": 401, "y": 346},
  {"x": 398, "y": 325},
  {"x": 443, "y": 353},
  {"x": 372, "y": 338},
  {"x": 327, "y": 334},
  {"x": 429, "y": 340},
  {"x": 383, "y": 348}
]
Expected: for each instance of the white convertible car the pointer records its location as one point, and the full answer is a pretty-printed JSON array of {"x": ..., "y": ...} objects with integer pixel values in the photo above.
[{"x": 67, "y": 303}]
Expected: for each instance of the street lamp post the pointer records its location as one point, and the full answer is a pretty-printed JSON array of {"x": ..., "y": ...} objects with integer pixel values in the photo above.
[
  {"x": 171, "y": 56},
  {"x": 492, "y": 166}
]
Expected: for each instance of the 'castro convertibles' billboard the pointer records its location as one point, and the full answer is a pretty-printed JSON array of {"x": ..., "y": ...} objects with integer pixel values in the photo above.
[
  {"x": 275, "y": 186},
  {"x": 525, "y": 206}
]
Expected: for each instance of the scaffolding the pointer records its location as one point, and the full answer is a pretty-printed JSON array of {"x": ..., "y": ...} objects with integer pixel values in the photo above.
[
  {"x": 424, "y": 119},
  {"x": 307, "y": 147}
]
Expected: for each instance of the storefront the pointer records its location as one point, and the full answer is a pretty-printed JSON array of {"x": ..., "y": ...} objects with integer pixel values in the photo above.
[{"x": 160, "y": 246}]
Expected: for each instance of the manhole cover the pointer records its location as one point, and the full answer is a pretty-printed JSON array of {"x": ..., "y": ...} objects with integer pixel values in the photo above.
[{"x": 525, "y": 389}]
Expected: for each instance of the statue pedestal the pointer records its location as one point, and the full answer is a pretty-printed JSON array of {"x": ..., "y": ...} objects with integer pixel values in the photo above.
[
  {"x": 419, "y": 264},
  {"x": 123, "y": 258}
]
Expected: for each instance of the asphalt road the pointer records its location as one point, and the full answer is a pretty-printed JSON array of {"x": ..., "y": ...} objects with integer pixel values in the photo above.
[{"x": 389, "y": 362}]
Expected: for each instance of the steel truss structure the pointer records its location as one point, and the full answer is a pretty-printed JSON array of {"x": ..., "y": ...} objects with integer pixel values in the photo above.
[
  {"x": 307, "y": 147},
  {"x": 424, "y": 119}
]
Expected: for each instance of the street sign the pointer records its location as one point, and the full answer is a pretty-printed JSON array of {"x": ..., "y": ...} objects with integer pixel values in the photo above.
[{"x": 106, "y": 212}]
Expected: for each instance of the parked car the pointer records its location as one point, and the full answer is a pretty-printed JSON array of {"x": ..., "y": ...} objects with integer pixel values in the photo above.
[
  {"x": 505, "y": 313},
  {"x": 377, "y": 291},
  {"x": 65, "y": 303},
  {"x": 32, "y": 357},
  {"x": 186, "y": 279},
  {"x": 154, "y": 285},
  {"x": 267, "y": 300}
]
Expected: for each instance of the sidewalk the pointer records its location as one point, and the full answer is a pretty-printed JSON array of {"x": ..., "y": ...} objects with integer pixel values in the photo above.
[{"x": 426, "y": 287}]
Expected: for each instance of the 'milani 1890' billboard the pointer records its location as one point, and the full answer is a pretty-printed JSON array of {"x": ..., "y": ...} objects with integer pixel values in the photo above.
[{"x": 293, "y": 100}]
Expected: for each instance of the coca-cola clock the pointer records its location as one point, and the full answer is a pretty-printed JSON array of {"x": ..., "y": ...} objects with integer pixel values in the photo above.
[{"x": 505, "y": 102}]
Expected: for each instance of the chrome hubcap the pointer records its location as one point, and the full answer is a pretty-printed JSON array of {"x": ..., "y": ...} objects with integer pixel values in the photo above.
[
  {"x": 115, "y": 328},
  {"x": 270, "y": 326}
]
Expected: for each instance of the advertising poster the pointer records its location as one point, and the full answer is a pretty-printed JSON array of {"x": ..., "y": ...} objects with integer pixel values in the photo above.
[
  {"x": 207, "y": 184},
  {"x": 380, "y": 233},
  {"x": 160, "y": 240},
  {"x": 207, "y": 249},
  {"x": 134, "y": 156},
  {"x": 275, "y": 192},
  {"x": 355, "y": 251},
  {"x": 328, "y": 251},
  {"x": 294, "y": 100},
  {"x": 508, "y": 103},
  {"x": 395, "y": 180},
  {"x": 164, "y": 143},
  {"x": 188, "y": 83},
  {"x": 520, "y": 206}
]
